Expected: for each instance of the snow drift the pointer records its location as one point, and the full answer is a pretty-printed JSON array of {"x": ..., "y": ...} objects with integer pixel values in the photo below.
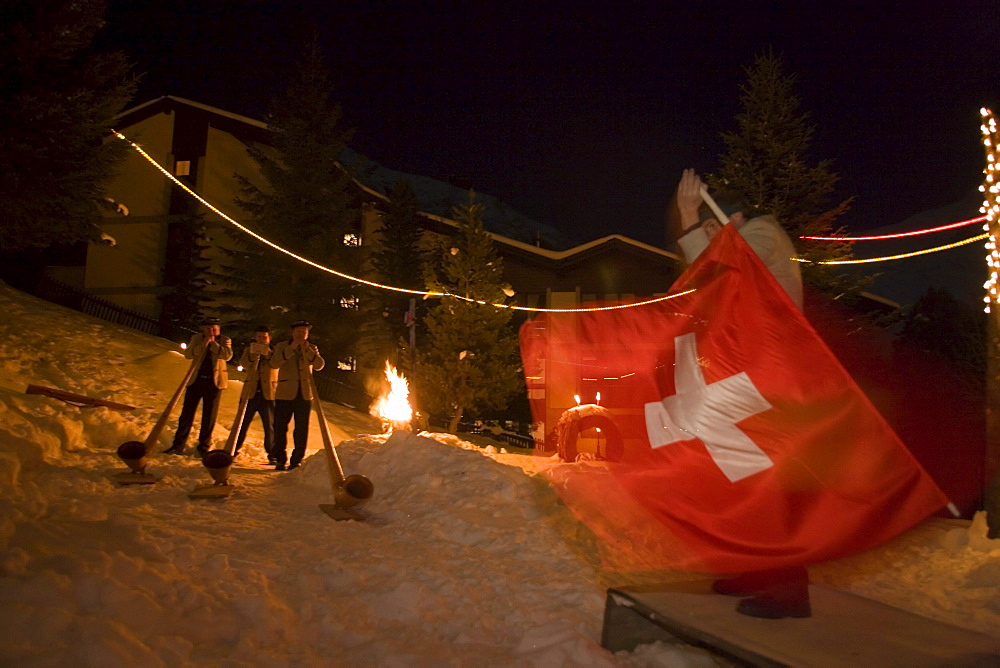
[{"x": 468, "y": 557}]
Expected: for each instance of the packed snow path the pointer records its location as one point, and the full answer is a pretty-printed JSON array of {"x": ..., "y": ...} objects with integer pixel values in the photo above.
[{"x": 465, "y": 560}]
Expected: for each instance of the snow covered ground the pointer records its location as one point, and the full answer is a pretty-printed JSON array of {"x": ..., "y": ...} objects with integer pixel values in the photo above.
[{"x": 469, "y": 558}]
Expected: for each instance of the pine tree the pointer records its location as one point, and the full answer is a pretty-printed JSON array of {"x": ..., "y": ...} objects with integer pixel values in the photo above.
[
  {"x": 470, "y": 361},
  {"x": 399, "y": 262},
  {"x": 187, "y": 274},
  {"x": 57, "y": 98},
  {"x": 308, "y": 204},
  {"x": 766, "y": 162}
]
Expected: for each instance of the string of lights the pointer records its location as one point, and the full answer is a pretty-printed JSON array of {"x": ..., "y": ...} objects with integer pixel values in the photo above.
[
  {"x": 993, "y": 287},
  {"x": 899, "y": 235},
  {"x": 901, "y": 256},
  {"x": 363, "y": 281},
  {"x": 991, "y": 205}
]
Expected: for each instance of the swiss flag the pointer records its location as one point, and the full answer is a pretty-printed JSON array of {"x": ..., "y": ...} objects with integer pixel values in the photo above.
[{"x": 743, "y": 443}]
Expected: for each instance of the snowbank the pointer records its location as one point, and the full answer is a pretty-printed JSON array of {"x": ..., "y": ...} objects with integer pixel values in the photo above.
[{"x": 468, "y": 557}]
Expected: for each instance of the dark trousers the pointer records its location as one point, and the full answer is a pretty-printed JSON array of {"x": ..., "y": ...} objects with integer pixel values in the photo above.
[
  {"x": 258, "y": 405},
  {"x": 284, "y": 410},
  {"x": 203, "y": 391}
]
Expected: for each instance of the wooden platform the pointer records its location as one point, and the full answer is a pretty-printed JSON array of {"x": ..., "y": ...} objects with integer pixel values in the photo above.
[{"x": 845, "y": 630}]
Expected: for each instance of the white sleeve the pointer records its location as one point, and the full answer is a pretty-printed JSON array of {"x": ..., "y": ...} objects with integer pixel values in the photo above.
[
  {"x": 693, "y": 243},
  {"x": 763, "y": 239}
]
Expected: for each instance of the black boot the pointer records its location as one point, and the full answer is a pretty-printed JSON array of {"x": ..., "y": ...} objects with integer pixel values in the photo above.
[
  {"x": 759, "y": 582},
  {"x": 774, "y": 594},
  {"x": 175, "y": 449},
  {"x": 746, "y": 584},
  {"x": 776, "y": 605}
]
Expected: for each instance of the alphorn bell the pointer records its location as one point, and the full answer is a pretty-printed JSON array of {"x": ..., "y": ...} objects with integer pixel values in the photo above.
[
  {"x": 348, "y": 491},
  {"x": 134, "y": 453},
  {"x": 220, "y": 462}
]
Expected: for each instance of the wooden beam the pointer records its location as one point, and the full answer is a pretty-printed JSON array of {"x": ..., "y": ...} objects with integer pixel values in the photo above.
[{"x": 844, "y": 631}]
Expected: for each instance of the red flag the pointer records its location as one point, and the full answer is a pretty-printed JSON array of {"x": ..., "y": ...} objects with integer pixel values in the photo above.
[{"x": 744, "y": 444}]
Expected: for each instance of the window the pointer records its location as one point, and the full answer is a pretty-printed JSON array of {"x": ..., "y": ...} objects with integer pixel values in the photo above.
[
  {"x": 347, "y": 364},
  {"x": 352, "y": 239},
  {"x": 349, "y": 302},
  {"x": 182, "y": 168}
]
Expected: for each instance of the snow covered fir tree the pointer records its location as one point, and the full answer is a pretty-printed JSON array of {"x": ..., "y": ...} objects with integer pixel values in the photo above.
[{"x": 470, "y": 359}]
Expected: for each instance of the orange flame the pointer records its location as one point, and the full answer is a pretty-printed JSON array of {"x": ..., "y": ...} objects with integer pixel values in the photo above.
[{"x": 394, "y": 406}]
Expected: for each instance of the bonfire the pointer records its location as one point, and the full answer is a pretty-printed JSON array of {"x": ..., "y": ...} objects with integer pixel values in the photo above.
[{"x": 393, "y": 407}]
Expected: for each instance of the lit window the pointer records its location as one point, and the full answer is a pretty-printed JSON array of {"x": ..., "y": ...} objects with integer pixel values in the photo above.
[
  {"x": 182, "y": 168},
  {"x": 349, "y": 302},
  {"x": 347, "y": 364},
  {"x": 352, "y": 239}
]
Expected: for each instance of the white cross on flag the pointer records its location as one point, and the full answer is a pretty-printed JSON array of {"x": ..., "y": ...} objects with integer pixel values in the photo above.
[{"x": 747, "y": 445}]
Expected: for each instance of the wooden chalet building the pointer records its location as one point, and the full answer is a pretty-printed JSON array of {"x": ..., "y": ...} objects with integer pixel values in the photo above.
[{"x": 204, "y": 147}]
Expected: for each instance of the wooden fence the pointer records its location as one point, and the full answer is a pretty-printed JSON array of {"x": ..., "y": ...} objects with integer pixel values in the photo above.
[{"x": 70, "y": 297}]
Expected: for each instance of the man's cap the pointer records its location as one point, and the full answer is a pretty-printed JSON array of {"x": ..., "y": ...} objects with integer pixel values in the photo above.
[
  {"x": 263, "y": 328},
  {"x": 729, "y": 202},
  {"x": 300, "y": 323},
  {"x": 210, "y": 321}
]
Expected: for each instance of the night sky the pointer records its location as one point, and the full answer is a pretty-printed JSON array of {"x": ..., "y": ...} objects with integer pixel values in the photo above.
[{"x": 582, "y": 115}]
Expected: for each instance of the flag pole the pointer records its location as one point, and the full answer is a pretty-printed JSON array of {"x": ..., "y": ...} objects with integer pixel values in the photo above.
[{"x": 719, "y": 214}]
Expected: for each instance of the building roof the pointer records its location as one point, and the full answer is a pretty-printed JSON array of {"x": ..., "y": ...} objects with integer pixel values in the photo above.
[
  {"x": 578, "y": 253},
  {"x": 154, "y": 106}
]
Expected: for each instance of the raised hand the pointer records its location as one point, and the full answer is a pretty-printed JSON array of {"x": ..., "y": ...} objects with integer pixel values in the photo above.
[{"x": 689, "y": 197}]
